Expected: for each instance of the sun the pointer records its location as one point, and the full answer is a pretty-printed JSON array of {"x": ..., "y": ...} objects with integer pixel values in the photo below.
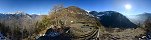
[{"x": 128, "y": 6}]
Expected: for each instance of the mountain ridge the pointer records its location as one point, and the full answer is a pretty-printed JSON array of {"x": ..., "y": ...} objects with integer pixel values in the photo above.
[{"x": 113, "y": 19}]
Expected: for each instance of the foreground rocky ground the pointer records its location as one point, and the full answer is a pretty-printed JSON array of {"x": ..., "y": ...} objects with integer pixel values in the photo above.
[
  {"x": 127, "y": 34},
  {"x": 90, "y": 33}
]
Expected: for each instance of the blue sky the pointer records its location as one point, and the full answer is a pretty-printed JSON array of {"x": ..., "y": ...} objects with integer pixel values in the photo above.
[{"x": 44, "y": 6}]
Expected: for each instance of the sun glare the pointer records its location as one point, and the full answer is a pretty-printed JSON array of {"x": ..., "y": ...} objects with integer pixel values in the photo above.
[{"x": 128, "y": 6}]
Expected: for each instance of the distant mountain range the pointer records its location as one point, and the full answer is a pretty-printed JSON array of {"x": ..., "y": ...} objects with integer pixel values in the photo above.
[
  {"x": 19, "y": 19},
  {"x": 113, "y": 19},
  {"x": 107, "y": 18},
  {"x": 140, "y": 18}
]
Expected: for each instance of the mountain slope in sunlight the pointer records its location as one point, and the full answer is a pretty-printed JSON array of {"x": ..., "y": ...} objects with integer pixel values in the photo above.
[{"x": 76, "y": 19}]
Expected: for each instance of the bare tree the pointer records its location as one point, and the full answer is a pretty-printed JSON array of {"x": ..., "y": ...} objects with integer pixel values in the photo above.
[{"x": 56, "y": 8}]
